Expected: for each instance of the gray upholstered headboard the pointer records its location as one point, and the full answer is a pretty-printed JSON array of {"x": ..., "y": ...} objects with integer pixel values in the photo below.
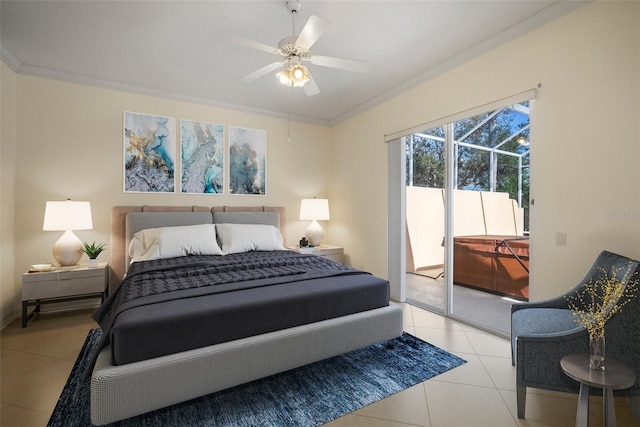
[
  {"x": 127, "y": 220},
  {"x": 269, "y": 218}
]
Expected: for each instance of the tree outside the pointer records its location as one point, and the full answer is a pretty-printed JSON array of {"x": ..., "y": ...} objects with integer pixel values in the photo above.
[{"x": 482, "y": 164}]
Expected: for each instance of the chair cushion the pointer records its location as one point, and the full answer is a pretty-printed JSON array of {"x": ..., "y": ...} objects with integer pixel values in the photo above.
[{"x": 541, "y": 321}]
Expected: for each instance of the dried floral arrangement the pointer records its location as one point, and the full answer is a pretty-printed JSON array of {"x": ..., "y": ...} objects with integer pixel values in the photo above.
[{"x": 599, "y": 300}]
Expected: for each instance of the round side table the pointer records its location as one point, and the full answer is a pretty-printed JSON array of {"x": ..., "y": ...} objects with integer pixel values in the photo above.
[{"x": 616, "y": 376}]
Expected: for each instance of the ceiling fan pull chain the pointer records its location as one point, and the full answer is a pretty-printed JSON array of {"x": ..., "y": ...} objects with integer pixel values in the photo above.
[
  {"x": 293, "y": 22},
  {"x": 288, "y": 115}
]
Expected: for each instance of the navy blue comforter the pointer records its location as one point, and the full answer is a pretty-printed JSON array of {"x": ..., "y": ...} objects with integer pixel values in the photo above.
[{"x": 172, "y": 305}]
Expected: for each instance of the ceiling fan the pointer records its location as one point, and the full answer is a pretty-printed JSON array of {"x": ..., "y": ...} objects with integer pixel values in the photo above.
[{"x": 296, "y": 50}]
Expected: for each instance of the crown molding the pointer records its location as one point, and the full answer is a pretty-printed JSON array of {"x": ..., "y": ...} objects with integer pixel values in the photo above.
[
  {"x": 543, "y": 17},
  {"x": 8, "y": 58}
]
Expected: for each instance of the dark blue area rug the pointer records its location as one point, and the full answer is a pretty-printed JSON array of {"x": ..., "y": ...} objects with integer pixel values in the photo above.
[{"x": 307, "y": 396}]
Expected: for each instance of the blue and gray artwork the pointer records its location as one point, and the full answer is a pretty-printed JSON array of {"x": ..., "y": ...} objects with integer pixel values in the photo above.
[
  {"x": 247, "y": 161},
  {"x": 149, "y": 153},
  {"x": 202, "y": 150}
]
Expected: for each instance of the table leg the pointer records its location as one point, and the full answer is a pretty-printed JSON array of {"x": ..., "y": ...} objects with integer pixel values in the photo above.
[
  {"x": 24, "y": 314},
  {"x": 582, "y": 417},
  {"x": 609, "y": 408}
]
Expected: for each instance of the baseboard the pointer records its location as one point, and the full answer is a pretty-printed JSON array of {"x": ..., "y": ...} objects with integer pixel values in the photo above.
[{"x": 7, "y": 321}]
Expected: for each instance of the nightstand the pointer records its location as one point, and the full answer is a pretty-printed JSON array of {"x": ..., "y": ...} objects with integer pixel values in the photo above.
[
  {"x": 333, "y": 253},
  {"x": 63, "y": 284}
]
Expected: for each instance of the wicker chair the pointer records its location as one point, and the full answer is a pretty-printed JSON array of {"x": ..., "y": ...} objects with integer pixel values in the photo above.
[{"x": 544, "y": 332}]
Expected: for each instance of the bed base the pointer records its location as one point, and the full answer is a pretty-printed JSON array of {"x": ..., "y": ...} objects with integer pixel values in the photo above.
[{"x": 120, "y": 392}]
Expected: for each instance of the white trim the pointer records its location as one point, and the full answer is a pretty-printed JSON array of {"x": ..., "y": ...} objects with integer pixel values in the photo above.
[
  {"x": 493, "y": 105},
  {"x": 8, "y": 58},
  {"x": 32, "y": 70},
  {"x": 550, "y": 13},
  {"x": 397, "y": 220},
  {"x": 449, "y": 189}
]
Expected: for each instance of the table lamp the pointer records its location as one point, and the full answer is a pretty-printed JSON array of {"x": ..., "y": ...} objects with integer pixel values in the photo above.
[
  {"x": 67, "y": 216},
  {"x": 314, "y": 210}
]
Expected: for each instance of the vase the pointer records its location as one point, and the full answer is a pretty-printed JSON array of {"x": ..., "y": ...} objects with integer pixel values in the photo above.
[
  {"x": 93, "y": 263},
  {"x": 596, "y": 352}
]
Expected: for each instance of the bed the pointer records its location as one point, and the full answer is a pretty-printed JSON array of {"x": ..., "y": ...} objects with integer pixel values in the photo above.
[{"x": 324, "y": 309}]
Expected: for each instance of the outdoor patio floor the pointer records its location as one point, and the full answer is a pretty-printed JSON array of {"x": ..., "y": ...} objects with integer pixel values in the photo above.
[{"x": 482, "y": 309}]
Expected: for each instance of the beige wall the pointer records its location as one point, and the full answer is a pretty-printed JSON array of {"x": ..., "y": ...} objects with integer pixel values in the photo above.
[
  {"x": 8, "y": 287},
  {"x": 585, "y": 142},
  {"x": 70, "y": 145}
]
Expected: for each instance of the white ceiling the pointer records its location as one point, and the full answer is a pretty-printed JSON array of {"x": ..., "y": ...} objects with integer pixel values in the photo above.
[{"x": 171, "y": 48}]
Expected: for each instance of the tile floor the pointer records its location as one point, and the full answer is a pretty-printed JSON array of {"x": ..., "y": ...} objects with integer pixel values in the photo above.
[
  {"x": 36, "y": 361},
  {"x": 474, "y": 306}
]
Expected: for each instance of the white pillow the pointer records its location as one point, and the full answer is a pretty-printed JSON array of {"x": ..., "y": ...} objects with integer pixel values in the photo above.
[
  {"x": 136, "y": 245},
  {"x": 170, "y": 242},
  {"x": 188, "y": 240},
  {"x": 249, "y": 237},
  {"x": 146, "y": 254},
  {"x": 141, "y": 241}
]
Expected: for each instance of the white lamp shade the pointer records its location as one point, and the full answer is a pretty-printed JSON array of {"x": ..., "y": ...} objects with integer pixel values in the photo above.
[
  {"x": 67, "y": 215},
  {"x": 317, "y": 209}
]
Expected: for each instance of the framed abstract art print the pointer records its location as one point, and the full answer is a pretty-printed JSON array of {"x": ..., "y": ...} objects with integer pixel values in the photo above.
[
  {"x": 149, "y": 153},
  {"x": 247, "y": 161}
]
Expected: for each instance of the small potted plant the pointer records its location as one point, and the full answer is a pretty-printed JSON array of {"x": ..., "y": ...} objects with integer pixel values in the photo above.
[{"x": 93, "y": 250}]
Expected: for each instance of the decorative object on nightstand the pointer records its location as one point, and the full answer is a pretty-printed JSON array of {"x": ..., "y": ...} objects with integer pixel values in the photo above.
[
  {"x": 92, "y": 251},
  {"x": 41, "y": 268},
  {"x": 314, "y": 210},
  {"x": 67, "y": 216}
]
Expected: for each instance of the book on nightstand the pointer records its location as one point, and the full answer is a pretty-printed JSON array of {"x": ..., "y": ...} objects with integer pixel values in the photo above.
[{"x": 41, "y": 268}]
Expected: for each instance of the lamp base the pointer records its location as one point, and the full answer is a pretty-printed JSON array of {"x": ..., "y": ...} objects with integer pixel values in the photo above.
[
  {"x": 68, "y": 249},
  {"x": 314, "y": 233}
]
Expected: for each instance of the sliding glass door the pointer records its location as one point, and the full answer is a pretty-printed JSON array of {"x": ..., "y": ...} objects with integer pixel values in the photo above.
[
  {"x": 425, "y": 217},
  {"x": 466, "y": 196}
]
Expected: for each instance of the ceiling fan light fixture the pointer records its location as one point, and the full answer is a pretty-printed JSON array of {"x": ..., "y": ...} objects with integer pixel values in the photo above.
[
  {"x": 284, "y": 78},
  {"x": 295, "y": 76},
  {"x": 300, "y": 75},
  {"x": 293, "y": 50}
]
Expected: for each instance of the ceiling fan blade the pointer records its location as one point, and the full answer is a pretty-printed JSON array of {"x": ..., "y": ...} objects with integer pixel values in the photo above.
[
  {"x": 343, "y": 64},
  {"x": 247, "y": 43},
  {"x": 313, "y": 29},
  {"x": 310, "y": 87},
  {"x": 261, "y": 72}
]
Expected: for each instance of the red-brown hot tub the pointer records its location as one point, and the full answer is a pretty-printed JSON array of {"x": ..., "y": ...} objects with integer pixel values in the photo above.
[{"x": 499, "y": 264}]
